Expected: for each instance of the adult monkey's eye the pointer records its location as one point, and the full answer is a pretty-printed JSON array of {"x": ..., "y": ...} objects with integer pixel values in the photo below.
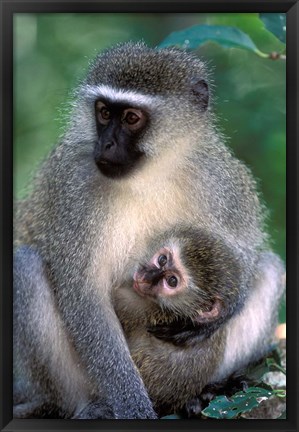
[
  {"x": 162, "y": 260},
  {"x": 103, "y": 113},
  {"x": 172, "y": 281},
  {"x": 132, "y": 117}
]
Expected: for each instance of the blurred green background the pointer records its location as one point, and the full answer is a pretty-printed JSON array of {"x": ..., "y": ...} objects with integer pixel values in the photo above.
[{"x": 52, "y": 51}]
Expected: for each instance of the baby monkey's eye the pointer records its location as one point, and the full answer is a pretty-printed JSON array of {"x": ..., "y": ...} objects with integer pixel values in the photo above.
[
  {"x": 162, "y": 260},
  {"x": 172, "y": 281}
]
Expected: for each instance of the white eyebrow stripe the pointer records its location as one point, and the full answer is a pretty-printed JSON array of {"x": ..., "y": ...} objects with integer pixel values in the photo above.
[{"x": 119, "y": 95}]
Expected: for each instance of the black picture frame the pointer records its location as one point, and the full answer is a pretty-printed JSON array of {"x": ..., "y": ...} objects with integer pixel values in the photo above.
[{"x": 8, "y": 8}]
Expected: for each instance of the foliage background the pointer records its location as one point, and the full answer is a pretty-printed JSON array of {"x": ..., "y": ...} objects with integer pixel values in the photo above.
[{"x": 51, "y": 53}]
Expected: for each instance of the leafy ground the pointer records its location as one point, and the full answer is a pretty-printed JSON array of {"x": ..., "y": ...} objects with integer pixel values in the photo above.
[{"x": 264, "y": 397}]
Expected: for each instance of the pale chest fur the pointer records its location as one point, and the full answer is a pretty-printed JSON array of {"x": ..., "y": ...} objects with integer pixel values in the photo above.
[{"x": 133, "y": 218}]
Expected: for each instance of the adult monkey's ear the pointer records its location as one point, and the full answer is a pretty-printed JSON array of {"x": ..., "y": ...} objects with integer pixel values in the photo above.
[{"x": 200, "y": 91}]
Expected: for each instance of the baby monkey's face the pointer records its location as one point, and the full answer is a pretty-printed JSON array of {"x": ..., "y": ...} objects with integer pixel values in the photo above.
[
  {"x": 166, "y": 280},
  {"x": 163, "y": 276}
]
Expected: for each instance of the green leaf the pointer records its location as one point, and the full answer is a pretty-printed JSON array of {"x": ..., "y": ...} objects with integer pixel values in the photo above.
[
  {"x": 281, "y": 393},
  {"x": 263, "y": 385},
  {"x": 223, "y": 408},
  {"x": 251, "y": 24},
  {"x": 226, "y": 36},
  {"x": 257, "y": 391},
  {"x": 276, "y": 24}
]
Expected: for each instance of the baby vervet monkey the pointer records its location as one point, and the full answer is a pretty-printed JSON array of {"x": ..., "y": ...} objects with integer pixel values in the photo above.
[{"x": 183, "y": 318}]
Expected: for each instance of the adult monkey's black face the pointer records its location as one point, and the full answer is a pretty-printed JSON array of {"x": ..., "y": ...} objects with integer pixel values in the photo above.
[{"x": 119, "y": 128}]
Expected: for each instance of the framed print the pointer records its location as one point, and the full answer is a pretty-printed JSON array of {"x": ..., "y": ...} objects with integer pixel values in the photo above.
[{"x": 149, "y": 215}]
